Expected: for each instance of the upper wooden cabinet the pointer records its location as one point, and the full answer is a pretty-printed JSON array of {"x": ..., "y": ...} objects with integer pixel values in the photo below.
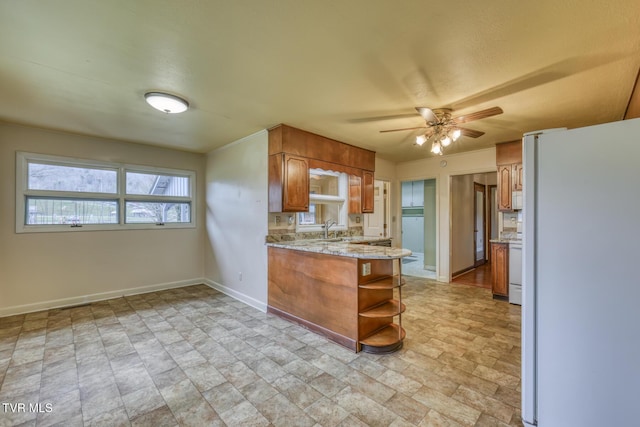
[
  {"x": 509, "y": 162},
  {"x": 287, "y": 139},
  {"x": 361, "y": 192},
  {"x": 367, "y": 191},
  {"x": 292, "y": 152},
  {"x": 516, "y": 176},
  {"x": 504, "y": 187},
  {"x": 288, "y": 183}
]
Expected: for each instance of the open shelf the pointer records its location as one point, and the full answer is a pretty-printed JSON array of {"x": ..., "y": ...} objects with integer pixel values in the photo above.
[
  {"x": 388, "y": 308},
  {"x": 390, "y": 282},
  {"x": 385, "y": 340}
]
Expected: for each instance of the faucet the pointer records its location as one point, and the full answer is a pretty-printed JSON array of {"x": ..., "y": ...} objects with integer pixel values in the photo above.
[{"x": 327, "y": 225}]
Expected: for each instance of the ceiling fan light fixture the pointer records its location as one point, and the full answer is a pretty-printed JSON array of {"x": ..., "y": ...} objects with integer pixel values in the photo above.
[
  {"x": 421, "y": 139},
  {"x": 445, "y": 141},
  {"x": 456, "y": 134},
  {"x": 436, "y": 148},
  {"x": 166, "y": 102}
]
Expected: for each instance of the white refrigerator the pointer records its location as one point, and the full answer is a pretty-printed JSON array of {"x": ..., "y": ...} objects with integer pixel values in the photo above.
[{"x": 581, "y": 282}]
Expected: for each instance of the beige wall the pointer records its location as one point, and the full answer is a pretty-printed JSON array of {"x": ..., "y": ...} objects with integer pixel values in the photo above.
[
  {"x": 237, "y": 219},
  {"x": 41, "y": 270},
  {"x": 457, "y": 164}
]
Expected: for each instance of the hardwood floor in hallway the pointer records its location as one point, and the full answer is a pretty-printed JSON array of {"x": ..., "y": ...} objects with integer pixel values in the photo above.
[{"x": 479, "y": 276}]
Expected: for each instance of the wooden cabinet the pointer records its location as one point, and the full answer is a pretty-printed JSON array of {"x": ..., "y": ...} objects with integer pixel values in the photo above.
[
  {"x": 355, "y": 302},
  {"x": 288, "y": 183},
  {"x": 504, "y": 188},
  {"x": 516, "y": 176},
  {"x": 500, "y": 269},
  {"x": 509, "y": 162},
  {"x": 361, "y": 193},
  {"x": 292, "y": 152},
  {"x": 367, "y": 191},
  {"x": 355, "y": 194}
]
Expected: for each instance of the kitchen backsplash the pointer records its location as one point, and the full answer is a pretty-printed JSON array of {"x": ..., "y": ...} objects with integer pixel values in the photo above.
[
  {"x": 511, "y": 226},
  {"x": 282, "y": 228}
]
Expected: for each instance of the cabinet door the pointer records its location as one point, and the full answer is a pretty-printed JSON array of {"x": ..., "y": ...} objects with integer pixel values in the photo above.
[
  {"x": 516, "y": 176},
  {"x": 295, "y": 197},
  {"x": 417, "y": 192},
  {"x": 367, "y": 191},
  {"x": 355, "y": 194},
  {"x": 407, "y": 194},
  {"x": 499, "y": 269},
  {"x": 504, "y": 188}
]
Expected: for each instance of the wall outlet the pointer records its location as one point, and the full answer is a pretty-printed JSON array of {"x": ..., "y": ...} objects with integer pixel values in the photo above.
[
  {"x": 240, "y": 276},
  {"x": 366, "y": 269},
  {"x": 277, "y": 219}
]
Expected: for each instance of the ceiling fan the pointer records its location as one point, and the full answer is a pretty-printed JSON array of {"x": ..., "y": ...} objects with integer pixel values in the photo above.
[{"x": 442, "y": 128}]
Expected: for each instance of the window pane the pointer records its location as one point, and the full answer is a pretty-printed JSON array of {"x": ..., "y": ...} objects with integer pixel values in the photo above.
[
  {"x": 48, "y": 211},
  {"x": 42, "y": 176},
  {"x": 155, "y": 212},
  {"x": 158, "y": 185},
  {"x": 319, "y": 213},
  {"x": 320, "y": 182}
]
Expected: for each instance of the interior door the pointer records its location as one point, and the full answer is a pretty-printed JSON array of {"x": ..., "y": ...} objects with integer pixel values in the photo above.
[
  {"x": 479, "y": 211},
  {"x": 374, "y": 222}
]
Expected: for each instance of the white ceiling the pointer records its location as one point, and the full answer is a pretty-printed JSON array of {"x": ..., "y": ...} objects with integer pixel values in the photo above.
[{"x": 345, "y": 69}]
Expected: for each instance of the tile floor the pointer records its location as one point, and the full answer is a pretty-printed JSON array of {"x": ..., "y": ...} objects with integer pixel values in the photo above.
[
  {"x": 193, "y": 356},
  {"x": 414, "y": 266}
]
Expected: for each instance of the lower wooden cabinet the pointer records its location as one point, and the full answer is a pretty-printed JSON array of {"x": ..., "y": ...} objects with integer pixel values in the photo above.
[
  {"x": 354, "y": 302},
  {"x": 500, "y": 269}
]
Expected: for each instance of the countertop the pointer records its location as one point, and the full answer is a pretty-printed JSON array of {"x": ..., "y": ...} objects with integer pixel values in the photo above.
[
  {"x": 502, "y": 240},
  {"x": 348, "y": 247}
]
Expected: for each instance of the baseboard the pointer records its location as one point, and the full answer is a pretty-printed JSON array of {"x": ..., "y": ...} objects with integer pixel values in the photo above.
[
  {"x": 237, "y": 295},
  {"x": 85, "y": 299}
]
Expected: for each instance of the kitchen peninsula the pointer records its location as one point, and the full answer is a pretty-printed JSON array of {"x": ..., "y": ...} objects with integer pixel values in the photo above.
[{"x": 345, "y": 289}]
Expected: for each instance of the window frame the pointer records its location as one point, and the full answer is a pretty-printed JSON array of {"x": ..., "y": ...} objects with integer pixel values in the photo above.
[
  {"x": 120, "y": 196},
  {"x": 319, "y": 199}
]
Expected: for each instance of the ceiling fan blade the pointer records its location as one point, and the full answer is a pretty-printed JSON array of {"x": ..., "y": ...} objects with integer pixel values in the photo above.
[
  {"x": 471, "y": 133},
  {"x": 493, "y": 111},
  {"x": 427, "y": 114},
  {"x": 396, "y": 130}
]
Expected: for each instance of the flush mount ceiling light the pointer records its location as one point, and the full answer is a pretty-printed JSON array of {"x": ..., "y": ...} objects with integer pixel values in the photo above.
[{"x": 166, "y": 103}]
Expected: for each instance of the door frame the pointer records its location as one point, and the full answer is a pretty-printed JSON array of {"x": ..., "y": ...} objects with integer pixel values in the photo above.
[{"x": 477, "y": 187}]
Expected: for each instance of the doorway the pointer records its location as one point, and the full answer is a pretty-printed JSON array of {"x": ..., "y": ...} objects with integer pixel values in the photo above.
[{"x": 419, "y": 227}]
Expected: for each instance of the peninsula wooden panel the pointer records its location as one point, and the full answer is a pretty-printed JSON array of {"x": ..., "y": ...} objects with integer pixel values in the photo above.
[{"x": 318, "y": 288}]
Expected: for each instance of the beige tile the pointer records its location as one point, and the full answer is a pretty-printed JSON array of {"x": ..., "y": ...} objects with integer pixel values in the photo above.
[
  {"x": 326, "y": 413},
  {"x": 485, "y": 404},
  {"x": 280, "y": 411},
  {"x": 496, "y": 376},
  {"x": 193, "y": 356},
  {"x": 447, "y": 406},
  {"x": 365, "y": 409}
]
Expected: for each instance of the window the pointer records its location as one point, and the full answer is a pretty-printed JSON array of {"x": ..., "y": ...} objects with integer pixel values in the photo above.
[
  {"x": 61, "y": 194},
  {"x": 327, "y": 196}
]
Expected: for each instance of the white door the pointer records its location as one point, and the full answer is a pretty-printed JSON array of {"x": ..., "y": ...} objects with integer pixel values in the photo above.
[{"x": 374, "y": 223}]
